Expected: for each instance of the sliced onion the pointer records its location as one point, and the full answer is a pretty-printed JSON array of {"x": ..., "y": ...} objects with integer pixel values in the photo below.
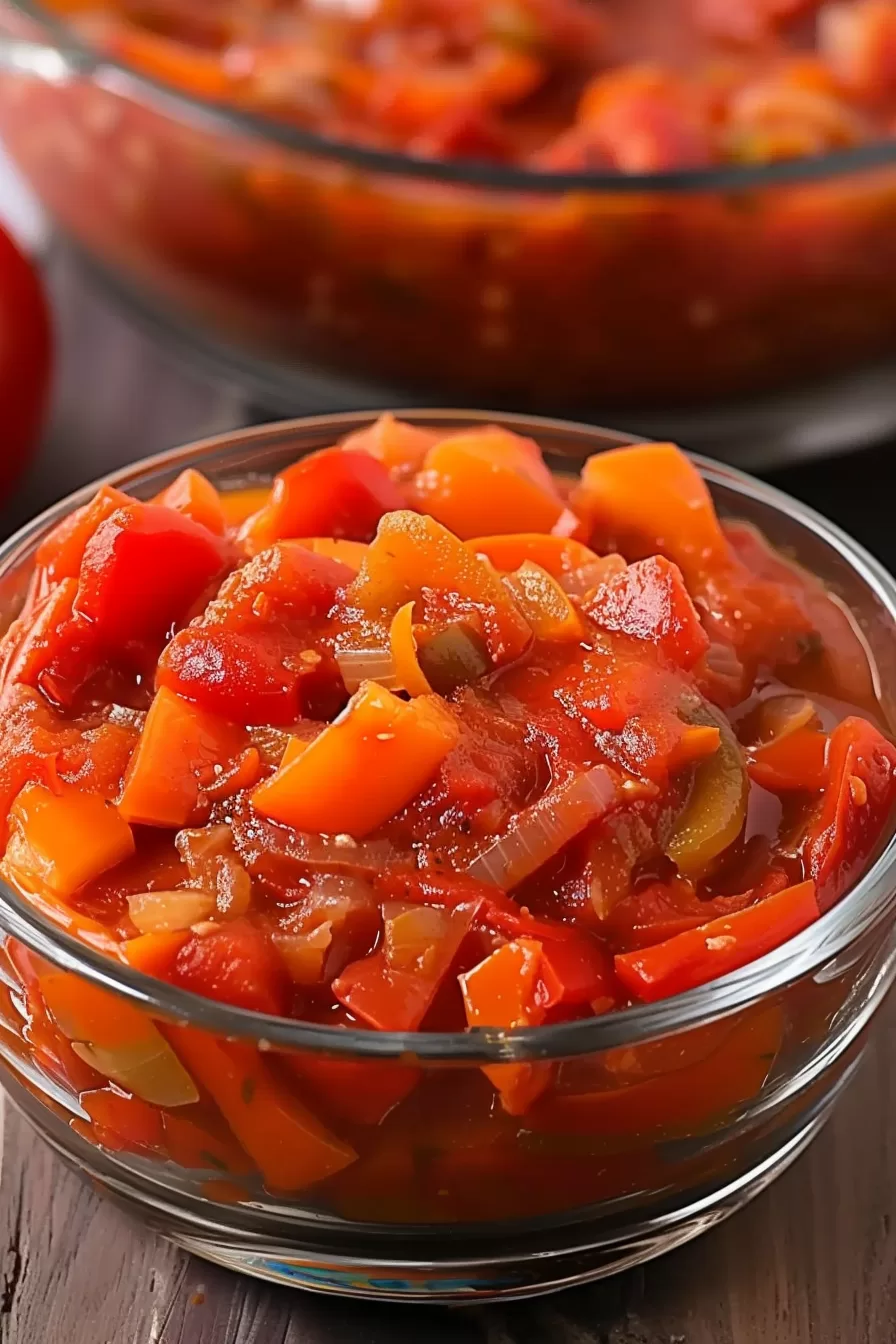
[
  {"x": 714, "y": 814},
  {"x": 305, "y": 954},
  {"x": 543, "y": 828},
  {"x": 357, "y": 665},
  {"x": 168, "y": 911},
  {"x": 155, "y": 1074},
  {"x": 213, "y": 865},
  {"x": 587, "y": 577}
]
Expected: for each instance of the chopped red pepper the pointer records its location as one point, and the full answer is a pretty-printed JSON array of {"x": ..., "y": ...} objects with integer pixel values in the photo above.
[{"x": 702, "y": 954}]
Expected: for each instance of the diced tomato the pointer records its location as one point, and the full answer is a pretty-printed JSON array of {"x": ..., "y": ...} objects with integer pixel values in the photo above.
[
  {"x": 234, "y": 964},
  {"x": 239, "y": 676},
  {"x": 359, "y": 1091},
  {"x": 578, "y": 971},
  {"x": 332, "y": 493},
  {"x": 143, "y": 568},
  {"x": 62, "y": 550},
  {"x": 649, "y": 601},
  {"x": 856, "y": 807}
]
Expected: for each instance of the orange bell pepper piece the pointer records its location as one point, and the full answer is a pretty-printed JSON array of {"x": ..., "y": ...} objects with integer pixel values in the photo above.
[
  {"x": 364, "y": 767},
  {"x": 85, "y": 1012},
  {"x": 154, "y": 953},
  {"x": 179, "y": 741},
  {"x": 63, "y": 839},
  {"x": 488, "y": 480},
  {"x": 399, "y": 446},
  {"x": 403, "y": 646},
  {"x": 560, "y": 556},
  {"x": 350, "y": 553},
  {"x": 290, "y": 1146},
  {"x": 238, "y": 505},
  {"x": 699, "y": 955},
  {"x": 193, "y": 494},
  {"x": 681, "y": 1100},
  {"x": 544, "y": 604},
  {"x": 502, "y": 991},
  {"x": 411, "y": 552},
  {"x": 794, "y": 761},
  {"x": 651, "y": 498}
]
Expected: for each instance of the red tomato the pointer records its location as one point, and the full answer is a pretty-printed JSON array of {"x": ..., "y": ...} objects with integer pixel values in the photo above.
[
  {"x": 25, "y": 359},
  {"x": 235, "y": 964}
]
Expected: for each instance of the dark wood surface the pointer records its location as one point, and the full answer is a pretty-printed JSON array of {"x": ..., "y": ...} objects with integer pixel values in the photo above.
[{"x": 812, "y": 1261}]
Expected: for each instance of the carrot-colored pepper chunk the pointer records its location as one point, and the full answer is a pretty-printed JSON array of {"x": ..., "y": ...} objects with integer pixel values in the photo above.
[
  {"x": 364, "y": 767},
  {"x": 290, "y": 1146},
  {"x": 62, "y": 839},
  {"x": 178, "y": 743},
  {"x": 503, "y": 991}
]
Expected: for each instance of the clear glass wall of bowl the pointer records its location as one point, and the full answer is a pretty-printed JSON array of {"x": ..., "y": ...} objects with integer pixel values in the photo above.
[
  {"x": 473, "y": 285},
  {"x": 651, "y": 1124}
]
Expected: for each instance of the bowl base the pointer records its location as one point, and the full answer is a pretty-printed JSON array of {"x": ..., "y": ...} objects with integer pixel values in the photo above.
[{"x": 563, "y": 1257}]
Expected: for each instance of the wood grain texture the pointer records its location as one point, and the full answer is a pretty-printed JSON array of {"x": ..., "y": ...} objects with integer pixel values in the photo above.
[{"x": 813, "y": 1261}]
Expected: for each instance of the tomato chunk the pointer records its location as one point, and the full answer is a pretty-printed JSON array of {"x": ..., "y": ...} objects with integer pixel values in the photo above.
[
  {"x": 332, "y": 493},
  {"x": 856, "y": 806},
  {"x": 649, "y": 601},
  {"x": 234, "y": 964}
]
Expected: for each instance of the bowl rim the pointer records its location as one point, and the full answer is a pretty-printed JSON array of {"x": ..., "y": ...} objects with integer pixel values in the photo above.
[
  {"x": 860, "y": 910},
  {"x": 76, "y": 57}
]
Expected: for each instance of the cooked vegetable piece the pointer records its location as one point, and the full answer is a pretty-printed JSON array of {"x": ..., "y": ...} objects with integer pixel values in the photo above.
[
  {"x": 239, "y": 676},
  {"x": 194, "y": 495},
  {"x": 395, "y": 992},
  {"x": 118, "y": 1040},
  {"x": 651, "y": 499},
  {"x": 290, "y": 1146},
  {"x": 348, "y": 553},
  {"x": 544, "y": 604},
  {"x": 857, "y": 802},
  {"x": 649, "y": 601},
  {"x": 405, "y": 656},
  {"x": 714, "y": 814},
  {"x": 719, "y": 947},
  {"x": 399, "y": 446},
  {"x": 61, "y": 552},
  {"x": 563, "y": 558},
  {"x": 794, "y": 761},
  {"x": 484, "y": 481},
  {"x": 504, "y": 992},
  {"x": 65, "y": 838},
  {"x": 412, "y": 556},
  {"x": 364, "y": 767},
  {"x": 544, "y": 828},
  {"x": 143, "y": 568},
  {"x": 170, "y": 911},
  {"x": 179, "y": 743},
  {"x": 453, "y": 657},
  {"x": 331, "y": 493},
  {"x": 236, "y": 964}
]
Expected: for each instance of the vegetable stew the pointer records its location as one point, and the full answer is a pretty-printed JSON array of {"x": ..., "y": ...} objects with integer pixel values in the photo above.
[{"x": 424, "y": 738}]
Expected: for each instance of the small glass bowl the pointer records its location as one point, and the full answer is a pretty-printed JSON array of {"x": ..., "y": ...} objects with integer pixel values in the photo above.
[{"x": 661, "y": 1119}]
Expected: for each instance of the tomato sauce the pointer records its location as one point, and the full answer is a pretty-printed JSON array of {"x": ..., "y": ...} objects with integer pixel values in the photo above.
[{"x": 422, "y": 739}]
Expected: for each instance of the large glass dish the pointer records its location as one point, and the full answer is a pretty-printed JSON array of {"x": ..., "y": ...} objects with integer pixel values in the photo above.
[
  {"x": 329, "y": 276},
  {"x": 661, "y": 1119}
]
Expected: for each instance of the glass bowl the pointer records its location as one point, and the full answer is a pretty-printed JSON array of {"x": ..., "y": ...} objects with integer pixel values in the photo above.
[
  {"x": 748, "y": 310},
  {"x": 660, "y": 1120}
]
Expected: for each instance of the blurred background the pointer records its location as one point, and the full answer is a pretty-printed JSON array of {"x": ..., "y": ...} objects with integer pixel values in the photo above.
[{"x": 673, "y": 217}]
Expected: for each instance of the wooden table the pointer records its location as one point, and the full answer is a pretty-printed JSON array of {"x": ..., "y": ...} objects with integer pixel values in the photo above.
[{"x": 813, "y": 1261}]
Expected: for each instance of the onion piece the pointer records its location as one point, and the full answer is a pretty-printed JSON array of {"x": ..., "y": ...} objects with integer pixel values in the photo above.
[
  {"x": 154, "y": 1075},
  {"x": 781, "y": 715},
  {"x": 357, "y": 665},
  {"x": 543, "y": 828},
  {"x": 168, "y": 911},
  {"x": 714, "y": 814}
]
